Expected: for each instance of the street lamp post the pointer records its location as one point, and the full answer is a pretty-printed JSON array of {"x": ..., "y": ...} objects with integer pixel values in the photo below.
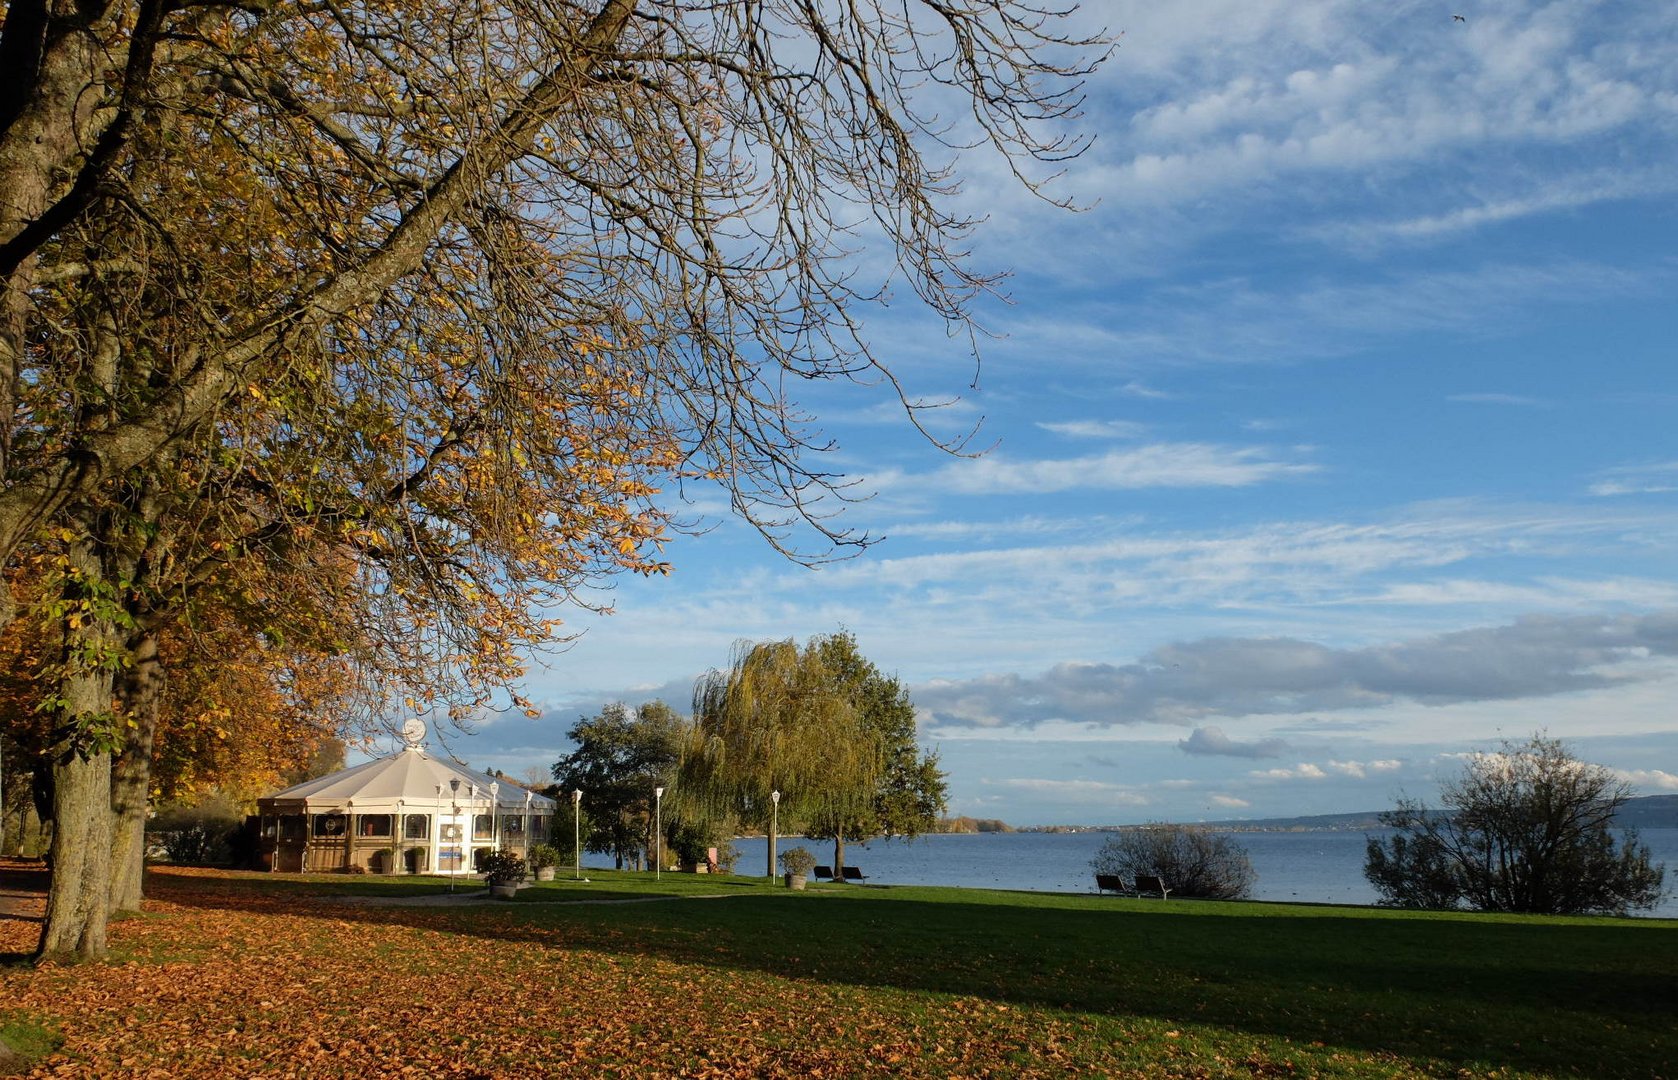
[
  {"x": 454, "y": 817},
  {"x": 494, "y": 806},
  {"x": 658, "y": 834},
  {"x": 774, "y": 824},
  {"x": 526, "y": 830},
  {"x": 577, "y": 832}
]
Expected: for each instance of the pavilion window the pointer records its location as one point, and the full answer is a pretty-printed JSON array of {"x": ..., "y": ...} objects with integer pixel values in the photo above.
[
  {"x": 329, "y": 824},
  {"x": 373, "y": 825},
  {"x": 292, "y": 827},
  {"x": 512, "y": 825},
  {"x": 538, "y": 825},
  {"x": 483, "y": 827},
  {"x": 417, "y": 827}
]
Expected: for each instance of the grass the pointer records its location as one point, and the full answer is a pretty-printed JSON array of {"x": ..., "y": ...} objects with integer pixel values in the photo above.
[
  {"x": 28, "y": 1037},
  {"x": 844, "y": 981}
]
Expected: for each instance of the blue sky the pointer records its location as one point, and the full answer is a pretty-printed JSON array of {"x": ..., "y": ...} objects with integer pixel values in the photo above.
[{"x": 1334, "y": 440}]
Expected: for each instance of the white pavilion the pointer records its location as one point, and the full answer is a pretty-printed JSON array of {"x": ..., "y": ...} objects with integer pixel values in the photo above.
[{"x": 407, "y": 812}]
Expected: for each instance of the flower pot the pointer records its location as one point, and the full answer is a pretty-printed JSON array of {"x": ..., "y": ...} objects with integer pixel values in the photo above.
[
  {"x": 544, "y": 873},
  {"x": 796, "y": 881},
  {"x": 503, "y": 892}
]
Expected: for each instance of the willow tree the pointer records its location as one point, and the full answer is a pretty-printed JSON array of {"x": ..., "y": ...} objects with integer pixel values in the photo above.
[
  {"x": 778, "y": 724},
  {"x": 910, "y": 791},
  {"x": 339, "y": 268}
]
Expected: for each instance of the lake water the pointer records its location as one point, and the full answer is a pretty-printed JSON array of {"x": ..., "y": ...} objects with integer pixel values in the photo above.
[{"x": 1315, "y": 867}]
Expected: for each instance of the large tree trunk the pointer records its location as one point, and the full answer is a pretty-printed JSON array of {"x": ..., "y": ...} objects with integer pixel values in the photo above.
[
  {"x": 78, "y": 899},
  {"x": 139, "y": 689},
  {"x": 839, "y": 856}
]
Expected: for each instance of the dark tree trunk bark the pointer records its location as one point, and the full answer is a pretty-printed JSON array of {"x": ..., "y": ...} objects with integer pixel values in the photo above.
[
  {"x": 839, "y": 857},
  {"x": 79, "y": 896},
  {"x": 139, "y": 690}
]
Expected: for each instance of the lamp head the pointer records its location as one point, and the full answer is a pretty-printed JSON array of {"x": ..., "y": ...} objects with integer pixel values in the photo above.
[
  {"x": 775, "y": 797},
  {"x": 576, "y": 796},
  {"x": 454, "y": 784},
  {"x": 658, "y": 793}
]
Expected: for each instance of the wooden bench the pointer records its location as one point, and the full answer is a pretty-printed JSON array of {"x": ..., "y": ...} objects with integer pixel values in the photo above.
[
  {"x": 853, "y": 873},
  {"x": 1147, "y": 883},
  {"x": 1110, "y": 883},
  {"x": 823, "y": 873}
]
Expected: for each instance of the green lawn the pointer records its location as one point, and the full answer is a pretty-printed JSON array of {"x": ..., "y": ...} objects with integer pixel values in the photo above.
[{"x": 842, "y": 980}]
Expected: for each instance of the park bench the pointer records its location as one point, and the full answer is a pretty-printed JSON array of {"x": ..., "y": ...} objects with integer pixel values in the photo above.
[
  {"x": 1147, "y": 883},
  {"x": 1110, "y": 883},
  {"x": 823, "y": 873},
  {"x": 853, "y": 873}
]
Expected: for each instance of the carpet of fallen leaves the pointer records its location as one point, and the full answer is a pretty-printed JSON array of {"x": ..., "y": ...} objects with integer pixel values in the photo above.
[
  {"x": 249, "y": 986},
  {"x": 212, "y": 981}
]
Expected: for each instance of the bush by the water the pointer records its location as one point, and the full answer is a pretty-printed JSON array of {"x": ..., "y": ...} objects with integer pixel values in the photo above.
[{"x": 1192, "y": 861}]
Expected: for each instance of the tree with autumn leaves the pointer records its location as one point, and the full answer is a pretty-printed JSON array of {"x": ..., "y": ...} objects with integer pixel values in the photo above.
[{"x": 380, "y": 331}]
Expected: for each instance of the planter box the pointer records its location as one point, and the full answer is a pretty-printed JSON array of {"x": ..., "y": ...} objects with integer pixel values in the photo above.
[
  {"x": 796, "y": 881},
  {"x": 503, "y": 892},
  {"x": 544, "y": 873}
]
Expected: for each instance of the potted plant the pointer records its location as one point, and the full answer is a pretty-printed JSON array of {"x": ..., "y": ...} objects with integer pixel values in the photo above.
[
  {"x": 504, "y": 871},
  {"x": 543, "y": 859},
  {"x": 797, "y": 863}
]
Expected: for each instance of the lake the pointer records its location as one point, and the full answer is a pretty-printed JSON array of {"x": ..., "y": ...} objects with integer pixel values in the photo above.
[{"x": 1314, "y": 867}]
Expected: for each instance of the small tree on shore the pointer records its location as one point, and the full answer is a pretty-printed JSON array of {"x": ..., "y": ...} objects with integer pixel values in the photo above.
[
  {"x": 1529, "y": 828},
  {"x": 1192, "y": 861}
]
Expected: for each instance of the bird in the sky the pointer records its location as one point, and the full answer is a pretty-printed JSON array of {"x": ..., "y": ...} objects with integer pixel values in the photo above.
[{"x": 1459, "y": 18}]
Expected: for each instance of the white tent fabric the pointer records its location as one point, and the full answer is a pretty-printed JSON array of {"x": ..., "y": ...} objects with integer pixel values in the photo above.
[{"x": 410, "y": 777}]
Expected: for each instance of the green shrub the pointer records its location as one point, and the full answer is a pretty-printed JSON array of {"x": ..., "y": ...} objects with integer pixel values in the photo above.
[
  {"x": 502, "y": 867},
  {"x": 543, "y": 856},
  {"x": 200, "y": 835},
  {"x": 797, "y": 861}
]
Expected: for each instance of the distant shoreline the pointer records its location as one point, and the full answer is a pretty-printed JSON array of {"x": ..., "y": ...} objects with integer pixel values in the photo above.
[{"x": 1642, "y": 812}]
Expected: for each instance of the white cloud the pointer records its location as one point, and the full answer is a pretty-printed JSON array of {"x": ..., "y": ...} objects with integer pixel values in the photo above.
[
  {"x": 1657, "y": 477},
  {"x": 1157, "y": 465},
  {"x": 1546, "y": 591},
  {"x": 1092, "y": 792},
  {"x": 1342, "y": 91},
  {"x": 1359, "y": 770},
  {"x": 1559, "y": 193},
  {"x": 1534, "y": 657},
  {"x": 1645, "y": 779},
  {"x": 1096, "y": 429},
  {"x": 1303, "y": 771},
  {"x": 1230, "y": 802}
]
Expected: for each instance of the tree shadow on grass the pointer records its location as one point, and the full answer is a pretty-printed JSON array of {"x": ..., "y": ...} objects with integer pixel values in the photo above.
[{"x": 1584, "y": 997}]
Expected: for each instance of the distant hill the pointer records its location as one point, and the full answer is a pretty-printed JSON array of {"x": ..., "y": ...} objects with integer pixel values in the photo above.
[
  {"x": 1644, "y": 812},
  {"x": 1650, "y": 812}
]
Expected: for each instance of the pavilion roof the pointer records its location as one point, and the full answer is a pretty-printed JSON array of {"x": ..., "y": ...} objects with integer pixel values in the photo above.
[{"x": 411, "y": 776}]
